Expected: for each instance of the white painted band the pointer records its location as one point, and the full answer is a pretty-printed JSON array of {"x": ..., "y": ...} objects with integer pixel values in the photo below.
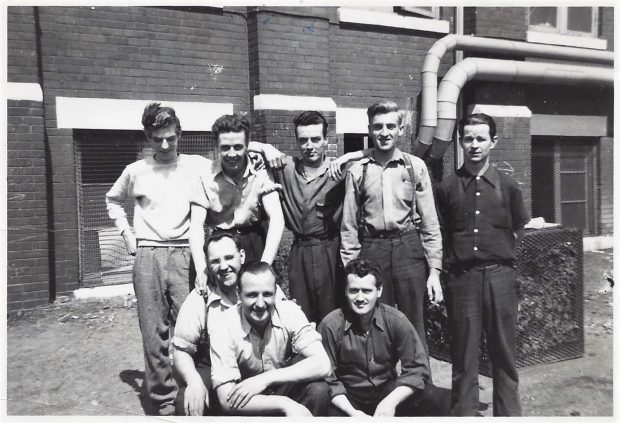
[
  {"x": 293, "y": 102},
  {"x": 371, "y": 17},
  {"x": 569, "y": 125},
  {"x": 351, "y": 121},
  {"x": 565, "y": 40},
  {"x": 495, "y": 110},
  {"x": 108, "y": 113},
  {"x": 24, "y": 91}
]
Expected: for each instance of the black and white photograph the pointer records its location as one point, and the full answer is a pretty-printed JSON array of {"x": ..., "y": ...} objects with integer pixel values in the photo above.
[{"x": 425, "y": 193}]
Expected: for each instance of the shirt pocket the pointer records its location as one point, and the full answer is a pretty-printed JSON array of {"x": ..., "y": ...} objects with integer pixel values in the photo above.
[{"x": 406, "y": 191}]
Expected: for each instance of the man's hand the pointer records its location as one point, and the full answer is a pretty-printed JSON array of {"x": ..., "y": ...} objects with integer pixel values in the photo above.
[
  {"x": 245, "y": 390},
  {"x": 293, "y": 408},
  {"x": 386, "y": 408},
  {"x": 335, "y": 168},
  {"x": 273, "y": 156},
  {"x": 256, "y": 160},
  {"x": 433, "y": 287},
  {"x": 130, "y": 242},
  {"x": 359, "y": 413},
  {"x": 195, "y": 399},
  {"x": 201, "y": 283}
]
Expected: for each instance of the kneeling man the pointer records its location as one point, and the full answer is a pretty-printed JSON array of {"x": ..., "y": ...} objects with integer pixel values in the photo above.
[
  {"x": 266, "y": 357},
  {"x": 364, "y": 341}
]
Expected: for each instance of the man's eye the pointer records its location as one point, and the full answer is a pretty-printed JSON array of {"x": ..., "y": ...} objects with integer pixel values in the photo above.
[
  {"x": 303, "y": 140},
  {"x": 391, "y": 126},
  {"x": 238, "y": 147}
]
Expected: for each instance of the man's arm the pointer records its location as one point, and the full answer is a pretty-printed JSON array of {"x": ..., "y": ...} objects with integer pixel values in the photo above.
[
  {"x": 349, "y": 241},
  {"x": 336, "y": 165},
  {"x": 196, "y": 245},
  {"x": 261, "y": 404},
  {"x": 273, "y": 209},
  {"x": 273, "y": 156},
  {"x": 115, "y": 200},
  {"x": 196, "y": 395},
  {"x": 342, "y": 402}
]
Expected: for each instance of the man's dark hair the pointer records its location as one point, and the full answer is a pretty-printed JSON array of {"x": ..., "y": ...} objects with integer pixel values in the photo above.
[
  {"x": 255, "y": 268},
  {"x": 382, "y": 108},
  {"x": 361, "y": 267},
  {"x": 155, "y": 117},
  {"x": 237, "y": 122},
  {"x": 478, "y": 119},
  {"x": 310, "y": 117},
  {"x": 218, "y": 235}
]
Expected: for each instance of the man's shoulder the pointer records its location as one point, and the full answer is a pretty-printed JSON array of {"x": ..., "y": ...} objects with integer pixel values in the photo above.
[
  {"x": 416, "y": 162},
  {"x": 286, "y": 307},
  {"x": 392, "y": 314},
  {"x": 357, "y": 168},
  {"x": 333, "y": 319},
  {"x": 196, "y": 160}
]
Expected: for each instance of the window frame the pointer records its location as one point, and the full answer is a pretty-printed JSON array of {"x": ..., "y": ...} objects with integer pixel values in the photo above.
[{"x": 562, "y": 24}]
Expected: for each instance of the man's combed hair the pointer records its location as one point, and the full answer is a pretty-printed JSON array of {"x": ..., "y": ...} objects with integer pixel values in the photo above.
[
  {"x": 218, "y": 235},
  {"x": 361, "y": 267},
  {"x": 256, "y": 268},
  {"x": 237, "y": 122},
  {"x": 478, "y": 119},
  {"x": 382, "y": 108},
  {"x": 155, "y": 117},
  {"x": 310, "y": 117}
]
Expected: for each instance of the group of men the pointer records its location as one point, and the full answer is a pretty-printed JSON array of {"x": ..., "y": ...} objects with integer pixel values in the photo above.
[{"x": 241, "y": 347}]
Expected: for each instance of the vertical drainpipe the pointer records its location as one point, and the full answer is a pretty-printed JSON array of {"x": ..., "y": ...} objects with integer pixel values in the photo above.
[{"x": 460, "y": 31}]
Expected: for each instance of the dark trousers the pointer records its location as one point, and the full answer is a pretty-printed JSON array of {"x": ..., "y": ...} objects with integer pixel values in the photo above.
[
  {"x": 161, "y": 284},
  {"x": 484, "y": 298},
  {"x": 253, "y": 244},
  {"x": 315, "y": 276},
  {"x": 403, "y": 269},
  {"x": 312, "y": 395},
  {"x": 205, "y": 374},
  {"x": 423, "y": 402}
]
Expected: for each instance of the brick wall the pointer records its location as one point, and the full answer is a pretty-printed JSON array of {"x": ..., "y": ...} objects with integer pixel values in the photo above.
[
  {"x": 606, "y": 191},
  {"x": 496, "y": 22},
  {"x": 21, "y": 45},
  {"x": 27, "y": 239}
]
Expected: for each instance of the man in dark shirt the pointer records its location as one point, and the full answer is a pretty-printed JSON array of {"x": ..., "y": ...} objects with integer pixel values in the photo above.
[
  {"x": 364, "y": 340},
  {"x": 482, "y": 215}
]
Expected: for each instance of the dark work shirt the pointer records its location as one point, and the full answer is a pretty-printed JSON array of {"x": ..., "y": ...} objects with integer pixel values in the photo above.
[
  {"x": 363, "y": 360},
  {"x": 311, "y": 205},
  {"x": 479, "y": 215}
]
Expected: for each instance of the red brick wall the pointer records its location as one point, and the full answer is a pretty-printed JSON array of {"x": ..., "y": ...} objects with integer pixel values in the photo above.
[
  {"x": 496, "y": 22},
  {"x": 606, "y": 186},
  {"x": 27, "y": 239}
]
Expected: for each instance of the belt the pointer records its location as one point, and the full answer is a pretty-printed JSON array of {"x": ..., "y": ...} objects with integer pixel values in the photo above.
[
  {"x": 390, "y": 234},
  {"x": 300, "y": 237},
  {"x": 480, "y": 265}
]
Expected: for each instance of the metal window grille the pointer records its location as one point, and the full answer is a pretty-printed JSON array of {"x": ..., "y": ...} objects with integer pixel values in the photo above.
[
  {"x": 100, "y": 158},
  {"x": 550, "y": 317}
]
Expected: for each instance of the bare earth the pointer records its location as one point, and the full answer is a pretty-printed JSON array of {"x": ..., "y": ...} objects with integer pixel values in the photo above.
[{"x": 85, "y": 358}]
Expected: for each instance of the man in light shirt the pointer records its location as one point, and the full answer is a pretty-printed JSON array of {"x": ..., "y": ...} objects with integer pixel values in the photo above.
[{"x": 160, "y": 186}]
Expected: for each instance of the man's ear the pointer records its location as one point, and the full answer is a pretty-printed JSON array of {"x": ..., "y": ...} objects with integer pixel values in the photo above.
[
  {"x": 242, "y": 255},
  {"x": 379, "y": 291},
  {"x": 493, "y": 142}
]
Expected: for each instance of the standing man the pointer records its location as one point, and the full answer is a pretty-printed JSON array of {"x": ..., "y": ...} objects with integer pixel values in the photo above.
[
  {"x": 364, "y": 341},
  {"x": 235, "y": 197},
  {"x": 198, "y": 313},
  {"x": 266, "y": 357},
  {"x": 483, "y": 215},
  {"x": 159, "y": 185},
  {"x": 312, "y": 197},
  {"x": 389, "y": 217}
]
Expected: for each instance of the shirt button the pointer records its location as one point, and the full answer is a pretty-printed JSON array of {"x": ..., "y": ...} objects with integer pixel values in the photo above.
[
  {"x": 476, "y": 231},
  {"x": 475, "y": 248},
  {"x": 477, "y": 211},
  {"x": 477, "y": 178},
  {"x": 478, "y": 193}
]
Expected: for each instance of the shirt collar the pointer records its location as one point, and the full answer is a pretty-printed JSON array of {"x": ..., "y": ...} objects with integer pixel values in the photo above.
[
  {"x": 249, "y": 168},
  {"x": 275, "y": 320},
  {"x": 299, "y": 167},
  {"x": 377, "y": 319},
  {"x": 490, "y": 175},
  {"x": 216, "y": 295},
  {"x": 397, "y": 157}
]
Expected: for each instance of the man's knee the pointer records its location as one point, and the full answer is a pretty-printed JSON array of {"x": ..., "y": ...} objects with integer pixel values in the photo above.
[{"x": 318, "y": 389}]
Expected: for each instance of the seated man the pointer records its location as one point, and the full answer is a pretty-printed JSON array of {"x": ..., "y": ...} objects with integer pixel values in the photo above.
[
  {"x": 266, "y": 357},
  {"x": 224, "y": 257},
  {"x": 364, "y": 341}
]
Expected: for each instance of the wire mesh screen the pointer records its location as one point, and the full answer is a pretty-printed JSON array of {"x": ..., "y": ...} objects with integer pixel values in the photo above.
[
  {"x": 100, "y": 158},
  {"x": 550, "y": 317}
]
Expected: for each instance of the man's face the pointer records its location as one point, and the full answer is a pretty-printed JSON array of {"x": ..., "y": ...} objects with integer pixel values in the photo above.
[
  {"x": 164, "y": 142},
  {"x": 311, "y": 143},
  {"x": 224, "y": 261},
  {"x": 362, "y": 293},
  {"x": 257, "y": 294},
  {"x": 476, "y": 143},
  {"x": 232, "y": 147},
  {"x": 385, "y": 130}
]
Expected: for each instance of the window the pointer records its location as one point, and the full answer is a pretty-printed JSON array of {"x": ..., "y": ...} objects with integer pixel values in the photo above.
[
  {"x": 579, "y": 21},
  {"x": 420, "y": 11},
  {"x": 415, "y": 18}
]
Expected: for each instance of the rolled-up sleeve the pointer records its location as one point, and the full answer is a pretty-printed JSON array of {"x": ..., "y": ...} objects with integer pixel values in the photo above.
[
  {"x": 198, "y": 190},
  {"x": 520, "y": 215},
  {"x": 414, "y": 361},
  {"x": 190, "y": 324},
  {"x": 303, "y": 332},
  {"x": 430, "y": 232},
  {"x": 349, "y": 239},
  {"x": 329, "y": 343},
  {"x": 224, "y": 367}
]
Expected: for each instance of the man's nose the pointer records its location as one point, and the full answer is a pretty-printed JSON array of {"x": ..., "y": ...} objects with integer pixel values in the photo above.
[
  {"x": 164, "y": 144},
  {"x": 359, "y": 297},
  {"x": 260, "y": 302}
]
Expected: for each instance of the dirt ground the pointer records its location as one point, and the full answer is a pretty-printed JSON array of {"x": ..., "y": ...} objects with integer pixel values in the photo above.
[{"x": 85, "y": 358}]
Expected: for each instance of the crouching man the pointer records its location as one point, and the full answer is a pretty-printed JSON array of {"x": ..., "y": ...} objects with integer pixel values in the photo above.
[
  {"x": 364, "y": 341},
  {"x": 266, "y": 357}
]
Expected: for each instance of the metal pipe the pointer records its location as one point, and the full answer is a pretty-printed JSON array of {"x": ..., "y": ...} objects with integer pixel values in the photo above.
[
  {"x": 508, "y": 71},
  {"x": 432, "y": 60}
]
